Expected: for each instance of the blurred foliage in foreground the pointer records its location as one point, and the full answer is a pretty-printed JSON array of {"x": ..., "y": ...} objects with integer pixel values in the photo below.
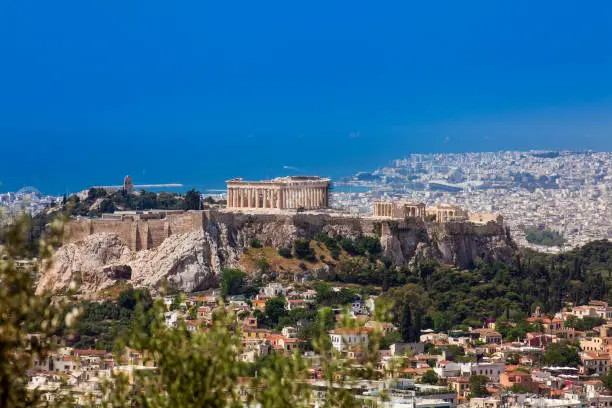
[
  {"x": 189, "y": 369},
  {"x": 27, "y": 321}
]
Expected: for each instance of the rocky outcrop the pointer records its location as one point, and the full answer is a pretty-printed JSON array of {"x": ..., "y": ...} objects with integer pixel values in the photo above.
[
  {"x": 455, "y": 243},
  {"x": 192, "y": 261},
  {"x": 86, "y": 264},
  {"x": 185, "y": 262}
]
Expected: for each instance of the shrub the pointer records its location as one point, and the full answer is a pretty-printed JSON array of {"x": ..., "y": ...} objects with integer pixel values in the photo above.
[
  {"x": 302, "y": 249},
  {"x": 348, "y": 245},
  {"x": 255, "y": 243},
  {"x": 264, "y": 265},
  {"x": 285, "y": 252}
]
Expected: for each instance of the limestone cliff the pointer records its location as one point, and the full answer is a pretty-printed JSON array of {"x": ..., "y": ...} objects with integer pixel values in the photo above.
[{"x": 191, "y": 260}]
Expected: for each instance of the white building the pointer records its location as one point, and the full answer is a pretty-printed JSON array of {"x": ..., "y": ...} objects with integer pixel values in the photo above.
[{"x": 344, "y": 338}]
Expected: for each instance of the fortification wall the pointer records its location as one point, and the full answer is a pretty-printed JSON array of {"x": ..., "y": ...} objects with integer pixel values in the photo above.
[
  {"x": 137, "y": 234},
  {"x": 453, "y": 242}
]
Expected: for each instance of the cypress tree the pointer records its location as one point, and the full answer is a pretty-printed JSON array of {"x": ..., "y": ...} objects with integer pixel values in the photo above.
[{"x": 405, "y": 322}]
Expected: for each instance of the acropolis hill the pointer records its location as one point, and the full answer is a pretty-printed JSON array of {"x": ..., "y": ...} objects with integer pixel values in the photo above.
[{"x": 189, "y": 248}]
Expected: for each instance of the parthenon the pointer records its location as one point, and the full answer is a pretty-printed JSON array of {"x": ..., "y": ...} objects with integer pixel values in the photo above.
[{"x": 294, "y": 192}]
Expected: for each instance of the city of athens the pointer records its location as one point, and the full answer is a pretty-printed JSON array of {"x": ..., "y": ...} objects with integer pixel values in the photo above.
[{"x": 254, "y": 205}]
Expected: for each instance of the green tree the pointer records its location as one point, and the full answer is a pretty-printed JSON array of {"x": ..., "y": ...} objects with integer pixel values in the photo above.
[
  {"x": 561, "y": 354},
  {"x": 232, "y": 281},
  {"x": 95, "y": 193},
  {"x": 23, "y": 312},
  {"x": 478, "y": 386},
  {"x": 192, "y": 200},
  {"x": 607, "y": 379},
  {"x": 107, "y": 206},
  {"x": 430, "y": 377},
  {"x": 520, "y": 389},
  {"x": 203, "y": 369},
  {"x": 406, "y": 324},
  {"x": 130, "y": 297},
  {"x": 274, "y": 310}
]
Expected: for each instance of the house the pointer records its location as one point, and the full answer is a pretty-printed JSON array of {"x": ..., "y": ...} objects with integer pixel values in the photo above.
[
  {"x": 273, "y": 289},
  {"x": 491, "y": 370},
  {"x": 260, "y": 303},
  {"x": 548, "y": 325},
  {"x": 398, "y": 349},
  {"x": 594, "y": 363},
  {"x": 461, "y": 385},
  {"x": 488, "y": 402},
  {"x": 487, "y": 336},
  {"x": 289, "y": 332},
  {"x": 448, "y": 369},
  {"x": 384, "y": 327},
  {"x": 534, "y": 339},
  {"x": 345, "y": 337},
  {"x": 310, "y": 296},
  {"x": 358, "y": 307},
  {"x": 593, "y": 309},
  {"x": 594, "y": 344},
  {"x": 282, "y": 343},
  {"x": 172, "y": 318},
  {"x": 204, "y": 313},
  {"x": 516, "y": 377},
  {"x": 209, "y": 301},
  {"x": 356, "y": 353},
  {"x": 251, "y": 322},
  {"x": 254, "y": 333},
  {"x": 293, "y": 304},
  {"x": 254, "y": 349}
]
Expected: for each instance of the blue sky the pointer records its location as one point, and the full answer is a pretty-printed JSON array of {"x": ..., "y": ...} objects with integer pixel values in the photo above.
[{"x": 198, "y": 92}]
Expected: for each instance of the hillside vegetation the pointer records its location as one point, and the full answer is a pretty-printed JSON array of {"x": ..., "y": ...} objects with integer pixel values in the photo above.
[{"x": 444, "y": 297}]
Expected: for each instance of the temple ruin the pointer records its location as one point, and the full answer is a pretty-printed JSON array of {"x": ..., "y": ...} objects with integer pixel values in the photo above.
[
  {"x": 403, "y": 209},
  {"x": 399, "y": 209},
  {"x": 294, "y": 192}
]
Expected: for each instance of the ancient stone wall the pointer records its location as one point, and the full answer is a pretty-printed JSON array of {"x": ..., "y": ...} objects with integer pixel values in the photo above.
[
  {"x": 452, "y": 242},
  {"x": 137, "y": 234}
]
